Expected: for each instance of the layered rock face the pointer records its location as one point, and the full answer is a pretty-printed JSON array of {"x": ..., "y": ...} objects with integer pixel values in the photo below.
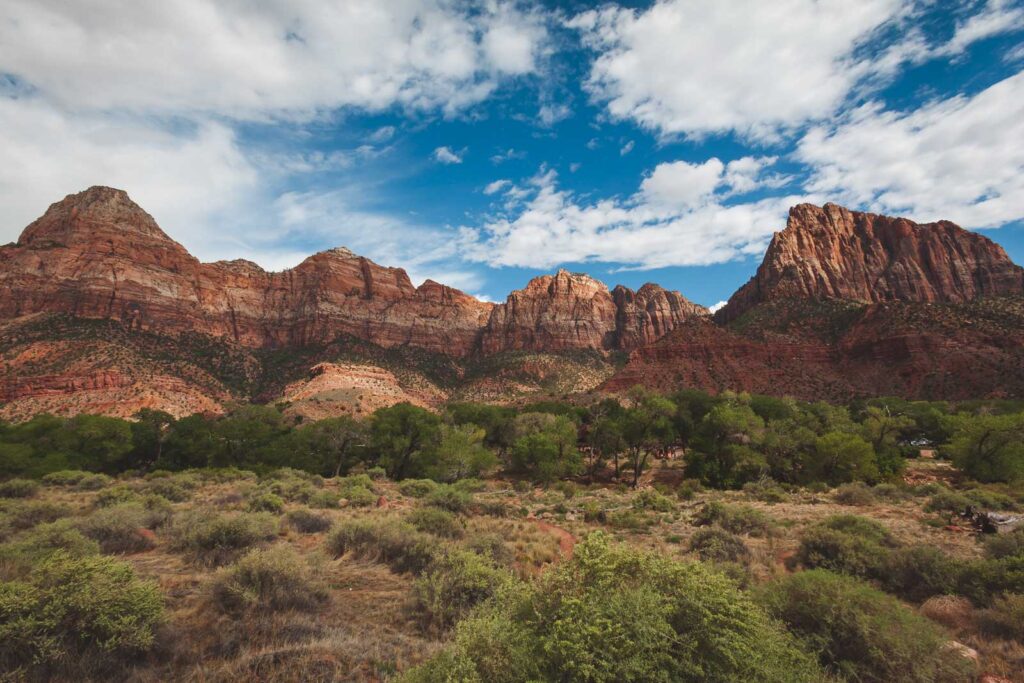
[
  {"x": 574, "y": 311},
  {"x": 96, "y": 254},
  {"x": 832, "y": 253}
]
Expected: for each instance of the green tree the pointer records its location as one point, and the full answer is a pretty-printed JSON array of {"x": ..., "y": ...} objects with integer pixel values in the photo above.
[
  {"x": 841, "y": 457},
  {"x": 545, "y": 446},
  {"x": 149, "y": 432},
  {"x": 249, "y": 436},
  {"x": 330, "y": 447},
  {"x": 404, "y": 437},
  {"x": 191, "y": 443},
  {"x": 989, "y": 448},
  {"x": 723, "y": 453},
  {"x": 647, "y": 428},
  {"x": 461, "y": 453}
]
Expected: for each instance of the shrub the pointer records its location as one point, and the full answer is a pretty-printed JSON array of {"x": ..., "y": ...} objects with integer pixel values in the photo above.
[
  {"x": 946, "y": 500},
  {"x": 767, "y": 491},
  {"x": 397, "y": 544},
  {"x": 1004, "y": 618},
  {"x": 307, "y": 521},
  {"x": 718, "y": 545},
  {"x": 855, "y": 493},
  {"x": 649, "y": 499},
  {"x": 213, "y": 538},
  {"x": 984, "y": 580},
  {"x": 359, "y": 496},
  {"x": 612, "y": 613},
  {"x": 449, "y": 498},
  {"x": 158, "y": 510},
  {"x": 65, "y": 477},
  {"x": 93, "y": 482},
  {"x": 847, "y": 544},
  {"x": 267, "y": 580},
  {"x": 76, "y": 614},
  {"x": 18, "y": 488},
  {"x": 266, "y": 502},
  {"x": 991, "y": 500},
  {"x": 998, "y": 546},
  {"x": 118, "y": 529},
  {"x": 860, "y": 633},
  {"x": 25, "y": 514},
  {"x": 437, "y": 522},
  {"x": 323, "y": 500},
  {"x": 176, "y": 489},
  {"x": 739, "y": 519},
  {"x": 919, "y": 572},
  {"x": 116, "y": 495},
  {"x": 23, "y": 554},
  {"x": 890, "y": 492},
  {"x": 491, "y": 546},
  {"x": 417, "y": 488},
  {"x": 455, "y": 583},
  {"x": 688, "y": 489},
  {"x": 952, "y": 611},
  {"x": 363, "y": 481}
]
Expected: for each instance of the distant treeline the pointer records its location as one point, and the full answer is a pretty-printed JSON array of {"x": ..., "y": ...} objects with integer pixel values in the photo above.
[{"x": 728, "y": 439}]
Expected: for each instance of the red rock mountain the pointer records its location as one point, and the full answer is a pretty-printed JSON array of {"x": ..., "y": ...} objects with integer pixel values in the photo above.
[
  {"x": 833, "y": 253},
  {"x": 96, "y": 254}
]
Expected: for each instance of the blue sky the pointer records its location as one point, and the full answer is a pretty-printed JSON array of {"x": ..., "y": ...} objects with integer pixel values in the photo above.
[{"x": 483, "y": 143}]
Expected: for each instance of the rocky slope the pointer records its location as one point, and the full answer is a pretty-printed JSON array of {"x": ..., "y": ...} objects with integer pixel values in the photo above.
[{"x": 833, "y": 253}]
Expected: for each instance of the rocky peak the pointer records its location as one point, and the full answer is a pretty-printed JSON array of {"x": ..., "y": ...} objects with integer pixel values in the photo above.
[
  {"x": 830, "y": 252},
  {"x": 99, "y": 210}
]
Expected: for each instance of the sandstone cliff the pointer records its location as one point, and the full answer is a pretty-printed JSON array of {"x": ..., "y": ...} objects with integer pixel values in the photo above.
[{"x": 833, "y": 253}]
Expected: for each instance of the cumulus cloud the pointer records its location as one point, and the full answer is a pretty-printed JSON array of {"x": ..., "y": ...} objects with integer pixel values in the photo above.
[
  {"x": 714, "y": 308},
  {"x": 956, "y": 158},
  {"x": 445, "y": 155},
  {"x": 684, "y": 66},
  {"x": 676, "y": 218},
  {"x": 496, "y": 186},
  {"x": 274, "y": 58}
]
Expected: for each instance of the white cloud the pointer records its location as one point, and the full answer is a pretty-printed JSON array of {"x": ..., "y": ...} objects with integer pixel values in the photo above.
[
  {"x": 445, "y": 155},
  {"x": 550, "y": 114},
  {"x": 507, "y": 155},
  {"x": 956, "y": 159},
  {"x": 685, "y": 66},
  {"x": 714, "y": 308},
  {"x": 496, "y": 186},
  {"x": 664, "y": 224},
  {"x": 274, "y": 58},
  {"x": 997, "y": 17},
  {"x": 382, "y": 134},
  {"x": 627, "y": 148}
]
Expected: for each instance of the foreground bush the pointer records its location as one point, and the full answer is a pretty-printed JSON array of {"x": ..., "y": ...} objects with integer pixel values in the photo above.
[
  {"x": 65, "y": 477},
  {"x": 118, "y": 529},
  {"x": 417, "y": 488},
  {"x": 20, "y": 555},
  {"x": 1005, "y": 617},
  {"x": 436, "y": 521},
  {"x": 76, "y": 615},
  {"x": 307, "y": 522},
  {"x": 274, "y": 579},
  {"x": 17, "y": 515},
  {"x": 845, "y": 543},
  {"x": 212, "y": 538},
  {"x": 455, "y": 583},
  {"x": 860, "y": 633},
  {"x": 719, "y": 545},
  {"x": 920, "y": 572},
  {"x": 616, "y": 614},
  {"x": 397, "y": 544},
  {"x": 18, "y": 488}
]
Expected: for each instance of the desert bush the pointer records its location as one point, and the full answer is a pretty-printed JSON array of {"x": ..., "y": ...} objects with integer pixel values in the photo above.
[
  {"x": 266, "y": 502},
  {"x": 456, "y": 582},
  {"x": 377, "y": 473},
  {"x": 688, "y": 489},
  {"x": 739, "y": 519},
  {"x": 118, "y": 529},
  {"x": 175, "y": 489},
  {"x": 612, "y": 613},
  {"x": 324, "y": 500},
  {"x": 998, "y": 546},
  {"x": 628, "y": 519},
  {"x": 491, "y": 546},
  {"x": 845, "y": 543},
  {"x": 307, "y": 521},
  {"x": 18, "y": 488},
  {"x": 17, "y": 515},
  {"x": 116, "y": 495},
  {"x": 991, "y": 500},
  {"x": 919, "y": 572},
  {"x": 397, "y": 544},
  {"x": 21, "y": 555},
  {"x": 952, "y": 611},
  {"x": 855, "y": 493},
  {"x": 76, "y": 615},
  {"x": 860, "y": 633},
  {"x": 437, "y": 522},
  {"x": 212, "y": 538},
  {"x": 159, "y": 510},
  {"x": 890, "y": 492},
  {"x": 1004, "y": 618},
  {"x": 449, "y": 498},
  {"x": 767, "y": 491},
  {"x": 649, "y": 499},
  {"x": 718, "y": 545},
  {"x": 984, "y": 580},
  {"x": 417, "y": 488},
  {"x": 946, "y": 500},
  {"x": 359, "y": 496},
  {"x": 65, "y": 477},
  {"x": 362, "y": 480},
  {"x": 267, "y": 580},
  {"x": 93, "y": 482}
]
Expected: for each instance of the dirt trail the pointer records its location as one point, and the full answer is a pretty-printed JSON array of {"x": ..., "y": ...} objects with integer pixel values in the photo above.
[{"x": 566, "y": 541}]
